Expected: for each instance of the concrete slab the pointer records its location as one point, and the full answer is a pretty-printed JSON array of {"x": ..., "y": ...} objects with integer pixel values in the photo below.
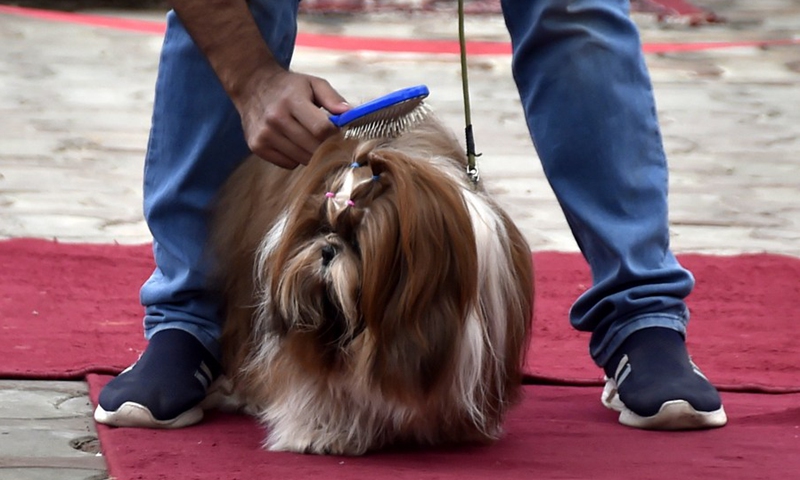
[{"x": 47, "y": 432}]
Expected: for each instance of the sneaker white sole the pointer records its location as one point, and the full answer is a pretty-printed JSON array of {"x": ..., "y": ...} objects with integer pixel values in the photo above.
[
  {"x": 673, "y": 415},
  {"x": 131, "y": 414}
]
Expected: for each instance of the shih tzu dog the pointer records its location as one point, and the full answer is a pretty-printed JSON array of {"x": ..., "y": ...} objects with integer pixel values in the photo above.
[{"x": 374, "y": 297}]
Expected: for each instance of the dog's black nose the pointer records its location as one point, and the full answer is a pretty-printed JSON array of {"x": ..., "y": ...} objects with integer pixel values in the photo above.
[{"x": 328, "y": 252}]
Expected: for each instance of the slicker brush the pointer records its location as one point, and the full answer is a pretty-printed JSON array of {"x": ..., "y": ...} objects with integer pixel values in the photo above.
[{"x": 387, "y": 116}]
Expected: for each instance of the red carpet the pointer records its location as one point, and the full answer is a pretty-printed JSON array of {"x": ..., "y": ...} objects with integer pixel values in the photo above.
[
  {"x": 744, "y": 321},
  {"x": 557, "y": 433},
  {"x": 72, "y": 310},
  {"x": 69, "y": 310}
]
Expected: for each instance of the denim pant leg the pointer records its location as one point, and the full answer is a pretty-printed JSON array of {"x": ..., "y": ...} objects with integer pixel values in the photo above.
[
  {"x": 589, "y": 105},
  {"x": 196, "y": 141}
]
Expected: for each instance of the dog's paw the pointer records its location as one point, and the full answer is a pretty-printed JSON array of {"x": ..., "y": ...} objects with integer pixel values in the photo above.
[
  {"x": 222, "y": 396},
  {"x": 315, "y": 445}
]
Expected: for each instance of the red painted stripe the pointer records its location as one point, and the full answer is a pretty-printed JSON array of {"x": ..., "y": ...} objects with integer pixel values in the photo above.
[
  {"x": 342, "y": 43},
  {"x": 696, "y": 47},
  {"x": 680, "y": 7},
  {"x": 131, "y": 25},
  {"x": 335, "y": 42}
]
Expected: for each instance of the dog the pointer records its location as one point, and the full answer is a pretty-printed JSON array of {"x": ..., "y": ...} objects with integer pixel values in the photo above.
[{"x": 375, "y": 297}]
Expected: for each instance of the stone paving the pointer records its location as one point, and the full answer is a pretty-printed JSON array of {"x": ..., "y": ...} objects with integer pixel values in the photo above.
[{"x": 74, "y": 112}]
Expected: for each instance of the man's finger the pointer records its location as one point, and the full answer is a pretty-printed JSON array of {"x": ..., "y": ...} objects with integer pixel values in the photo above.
[
  {"x": 327, "y": 97},
  {"x": 299, "y": 135},
  {"x": 314, "y": 121}
]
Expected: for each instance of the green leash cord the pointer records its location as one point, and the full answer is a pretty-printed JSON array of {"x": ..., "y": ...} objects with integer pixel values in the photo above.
[{"x": 472, "y": 169}]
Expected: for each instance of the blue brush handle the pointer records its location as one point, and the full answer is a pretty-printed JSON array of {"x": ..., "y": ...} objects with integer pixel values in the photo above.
[{"x": 386, "y": 101}]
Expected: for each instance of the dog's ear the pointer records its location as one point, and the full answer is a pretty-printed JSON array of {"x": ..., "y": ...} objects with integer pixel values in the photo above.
[{"x": 420, "y": 275}]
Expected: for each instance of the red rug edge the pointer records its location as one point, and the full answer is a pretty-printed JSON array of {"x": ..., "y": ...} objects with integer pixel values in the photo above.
[
  {"x": 117, "y": 468},
  {"x": 79, "y": 374},
  {"x": 55, "y": 241},
  {"x": 530, "y": 378},
  {"x": 95, "y": 383}
]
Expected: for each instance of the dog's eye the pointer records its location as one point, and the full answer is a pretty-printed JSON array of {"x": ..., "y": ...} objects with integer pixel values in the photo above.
[{"x": 328, "y": 253}]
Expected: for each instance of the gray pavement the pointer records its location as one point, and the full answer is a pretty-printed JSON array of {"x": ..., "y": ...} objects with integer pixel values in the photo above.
[{"x": 74, "y": 112}]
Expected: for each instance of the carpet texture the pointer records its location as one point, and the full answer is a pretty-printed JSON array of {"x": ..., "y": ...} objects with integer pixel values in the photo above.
[
  {"x": 743, "y": 331},
  {"x": 556, "y": 433},
  {"x": 71, "y": 311},
  {"x": 68, "y": 310}
]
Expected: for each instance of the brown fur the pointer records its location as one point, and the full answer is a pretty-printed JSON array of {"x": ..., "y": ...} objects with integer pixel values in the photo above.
[{"x": 383, "y": 322}]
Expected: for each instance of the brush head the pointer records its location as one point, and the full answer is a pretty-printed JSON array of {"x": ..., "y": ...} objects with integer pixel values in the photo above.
[
  {"x": 387, "y": 116},
  {"x": 390, "y": 122}
]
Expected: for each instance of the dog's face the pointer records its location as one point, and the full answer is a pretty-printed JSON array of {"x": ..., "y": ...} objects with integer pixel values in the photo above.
[{"x": 373, "y": 266}]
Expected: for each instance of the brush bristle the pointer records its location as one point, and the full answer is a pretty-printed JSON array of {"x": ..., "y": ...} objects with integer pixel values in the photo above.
[{"x": 389, "y": 122}]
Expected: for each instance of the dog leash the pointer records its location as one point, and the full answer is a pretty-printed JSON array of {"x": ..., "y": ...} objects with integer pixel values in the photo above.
[{"x": 472, "y": 169}]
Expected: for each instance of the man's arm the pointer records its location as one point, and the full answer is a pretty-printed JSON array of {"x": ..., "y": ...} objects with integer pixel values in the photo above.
[{"x": 280, "y": 109}]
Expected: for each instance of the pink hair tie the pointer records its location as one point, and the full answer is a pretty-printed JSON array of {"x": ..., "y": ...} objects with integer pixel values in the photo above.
[
  {"x": 330, "y": 195},
  {"x": 351, "y": 203}
]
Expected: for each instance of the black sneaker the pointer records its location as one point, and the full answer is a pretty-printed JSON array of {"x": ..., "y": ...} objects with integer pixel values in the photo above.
[
  {"x": 654, "y": 385},
  {"x": 164, "y": 388}
]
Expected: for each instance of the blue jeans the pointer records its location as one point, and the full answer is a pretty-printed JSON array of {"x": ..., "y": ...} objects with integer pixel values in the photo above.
[
  {"x": 196, "y": 142},
  {"x": 590, "y": 109}
]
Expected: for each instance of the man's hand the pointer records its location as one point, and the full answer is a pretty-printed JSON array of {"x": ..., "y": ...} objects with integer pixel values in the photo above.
[
  {"x": 281, "y": 110},
  {"x": 282, "y": 119}
]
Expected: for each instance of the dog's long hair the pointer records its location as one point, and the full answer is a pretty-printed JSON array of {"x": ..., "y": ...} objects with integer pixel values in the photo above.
[{"x": 373, "y": 297}]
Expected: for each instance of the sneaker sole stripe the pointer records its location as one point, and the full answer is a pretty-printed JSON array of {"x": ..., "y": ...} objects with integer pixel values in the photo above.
[
  {"x": 202, "y": 379},
  {"x": 621, "y": 378},
  {"x": 206, "y": 372},
  {"x": 697, "y": 371},
  {"x": 131, "y": 414},
  {"x": 673, "y": 415}
]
